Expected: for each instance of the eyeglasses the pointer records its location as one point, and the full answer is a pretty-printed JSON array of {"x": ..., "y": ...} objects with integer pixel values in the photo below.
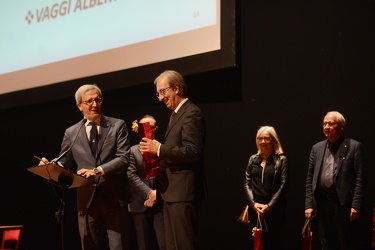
[
  {"x": 162, "y": 91},
  {"x": 266, "y": 139},
  {"x": 330, "y": 124},
  {"x": 91, "y": 101}
]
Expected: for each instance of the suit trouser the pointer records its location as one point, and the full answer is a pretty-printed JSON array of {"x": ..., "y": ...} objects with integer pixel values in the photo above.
[
  {"x": 181, "y": 225},
  {"x": 149, "y": 223},
  {"x": 104, "y": 214},
  {"x": 336, "y": 231}
]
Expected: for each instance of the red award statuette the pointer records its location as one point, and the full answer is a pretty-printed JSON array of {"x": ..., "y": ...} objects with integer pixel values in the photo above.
[{"x": 150, "y": 163}]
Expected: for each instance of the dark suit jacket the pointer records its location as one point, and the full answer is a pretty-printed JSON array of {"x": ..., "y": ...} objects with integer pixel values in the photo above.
[
  {"x": 181, "y": 156},
  {"x": 112, "y": 156},
  {"x": 140, "y": 188},
  {"x": 350, "y": 180}
]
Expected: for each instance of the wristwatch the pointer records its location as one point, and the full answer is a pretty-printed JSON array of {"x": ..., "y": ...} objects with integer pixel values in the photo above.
[{"x": 96, "y": 171}]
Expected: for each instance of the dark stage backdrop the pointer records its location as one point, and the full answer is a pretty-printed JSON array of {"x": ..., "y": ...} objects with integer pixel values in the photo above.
[{"x": 297, "y": 61}]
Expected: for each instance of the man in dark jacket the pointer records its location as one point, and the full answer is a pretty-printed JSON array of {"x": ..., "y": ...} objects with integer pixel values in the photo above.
[
  {"x": 181, "y": 183},
  {"x": 335, "y": 184}
]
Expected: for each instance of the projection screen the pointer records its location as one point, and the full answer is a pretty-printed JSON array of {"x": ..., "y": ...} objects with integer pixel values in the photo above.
[{"x": 44, "y": 43}]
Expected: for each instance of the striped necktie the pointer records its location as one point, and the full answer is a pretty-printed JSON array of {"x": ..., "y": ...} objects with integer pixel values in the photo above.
[{"x": 328, "y": 170}]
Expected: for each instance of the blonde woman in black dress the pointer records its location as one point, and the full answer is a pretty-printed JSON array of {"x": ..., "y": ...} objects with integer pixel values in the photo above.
[{"x": 266, "y": 182}]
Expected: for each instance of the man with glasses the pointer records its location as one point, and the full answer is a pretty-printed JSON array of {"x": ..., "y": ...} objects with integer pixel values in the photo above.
[
  {"x": 98, "y": 148},
  {"x": 181, "y": 183},
  {"x": 335, "y": 185}
]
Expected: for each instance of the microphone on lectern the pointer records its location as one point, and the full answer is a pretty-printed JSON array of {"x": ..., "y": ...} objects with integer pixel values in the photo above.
[{"x": 56, "y": 160}]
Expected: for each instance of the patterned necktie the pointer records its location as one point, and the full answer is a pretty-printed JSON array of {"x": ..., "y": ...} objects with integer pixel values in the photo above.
[
  {"x": 93, "y": 138},
  {"x": 171, "y": 118},
  {"x": 328, "y": 170}
]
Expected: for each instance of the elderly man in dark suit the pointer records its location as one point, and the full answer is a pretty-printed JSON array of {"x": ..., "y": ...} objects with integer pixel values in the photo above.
[
  {"x": 148, "y": 220},
  {"x": 181, "y": 183},
  {"x": 335, "y": 185},
  {"x": 98, "y": 147}
]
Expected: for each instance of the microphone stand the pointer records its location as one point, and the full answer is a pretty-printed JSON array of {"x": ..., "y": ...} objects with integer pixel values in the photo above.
[
  {"x": 64, "y": 183},
  {"x": 59, "y": 215},
  {"x": 64, "y": 179},
  {"x": 55, "y": 161}
]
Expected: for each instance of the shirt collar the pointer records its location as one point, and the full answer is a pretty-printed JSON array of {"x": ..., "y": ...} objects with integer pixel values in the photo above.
[{"x": 180, "y": 104}]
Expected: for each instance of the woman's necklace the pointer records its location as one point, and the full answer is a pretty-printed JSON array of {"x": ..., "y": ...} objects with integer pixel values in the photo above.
[{"x": 263, "y": 162}]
